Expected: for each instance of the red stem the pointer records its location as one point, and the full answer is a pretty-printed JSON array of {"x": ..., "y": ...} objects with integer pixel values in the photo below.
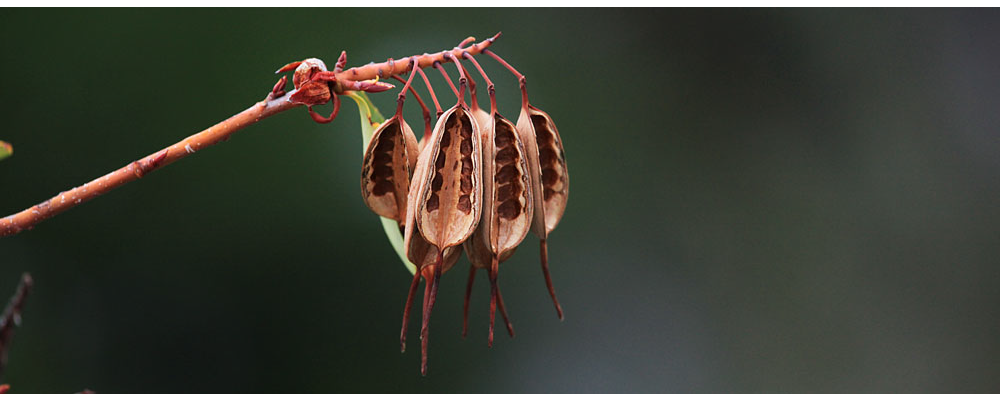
[
  {"x": 406, "y": 309},
  {"x": 472, "y": 87},
  {"x": 423, "y": 107},
  {"x": 468, "y": 294},
  {"x": 438, "y": 67},
  {"x": 521, "y": 79},
  {"x": 371, "y": 71},
  {"x": 402, "y": 93},
  {"x": 462, "y": 80},
  {"x": 489, "y": 84},
  {"x": 437, "y": 106},
  {"x": 548, "y": 278},
  {"x": 425, "y": 330},
  {"x": 503, "y": 313}
]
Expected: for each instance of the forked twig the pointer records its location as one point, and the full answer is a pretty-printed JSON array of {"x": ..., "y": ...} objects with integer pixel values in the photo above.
[{"x": 12, "y": 317}]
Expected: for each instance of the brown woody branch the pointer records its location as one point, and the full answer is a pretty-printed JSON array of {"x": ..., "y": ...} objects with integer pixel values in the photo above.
[
  {"x": 63, "y": 201},
  {"x": 394, "y": 67},
  {"x": 275, "y": 102}
]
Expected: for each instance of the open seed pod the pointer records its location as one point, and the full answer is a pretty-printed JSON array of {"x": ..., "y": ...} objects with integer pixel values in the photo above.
[
  {"x": 507, "y": 201},
  {"x": 547, "y": 170},
  {"x": 548, "y": 175},
  {"x": 507, "y": 209},
  {"x": 443, "y": 205},
  {"x": 552, "y": 163},
  {"x": 387, "y": 167},
  {"x": 388, "y": 162},
  {"x": 429, "y": 267},
  {"x": 508, "y": 204},
  {"x": 418, "y": 250},
  {"x": 449, "y": 196}
]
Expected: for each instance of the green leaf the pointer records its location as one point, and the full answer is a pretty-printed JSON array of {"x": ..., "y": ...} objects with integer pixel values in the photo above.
[
  {"x": 5, "y": 149},
  {"x": 370, "y": 120}
]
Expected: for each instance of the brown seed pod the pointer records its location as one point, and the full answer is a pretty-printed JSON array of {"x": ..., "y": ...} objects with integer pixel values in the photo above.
[
  {"x": 420, "y": 252},
  {"x": 449, "y": 196},
  {"x": 547, "y": 170},
  {"x": 385, "y": 170},
  {"x": 443, "y": 205},
  {"x": 387, "y": 165},
  {"x": 554, "y": 176},
  {"x": 431, "y": 264},
  {"x": 507, "y": 202},
  {"x": 549, "y": 180}
]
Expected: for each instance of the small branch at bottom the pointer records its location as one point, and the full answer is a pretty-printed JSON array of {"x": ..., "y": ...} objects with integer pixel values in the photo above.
[{"x": 12, "y": 317}]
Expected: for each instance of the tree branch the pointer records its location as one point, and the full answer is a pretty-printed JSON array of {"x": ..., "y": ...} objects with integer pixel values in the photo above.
[
  {"x": 221, "y": 131},
  {"x": 392, "y": 67},
  {"x": 276, "y": 102}
]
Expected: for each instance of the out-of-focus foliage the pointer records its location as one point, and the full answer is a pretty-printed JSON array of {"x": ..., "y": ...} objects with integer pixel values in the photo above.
[{"x": 5, "y": 149}]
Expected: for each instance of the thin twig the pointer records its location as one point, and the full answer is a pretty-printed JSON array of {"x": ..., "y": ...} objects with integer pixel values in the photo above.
[
  {"x": 276, "y": 102},
  {"x": 12, "y": 317},
  {"x": 391, "y": 67},
  {"x": 219, "y": 132}
]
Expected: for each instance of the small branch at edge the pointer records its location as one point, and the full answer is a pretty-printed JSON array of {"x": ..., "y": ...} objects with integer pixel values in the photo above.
[{"x": 12, "y": 317}]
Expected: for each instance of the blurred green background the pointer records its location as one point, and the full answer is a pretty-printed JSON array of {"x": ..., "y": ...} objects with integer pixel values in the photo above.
[{"x": 762, "y": 200}]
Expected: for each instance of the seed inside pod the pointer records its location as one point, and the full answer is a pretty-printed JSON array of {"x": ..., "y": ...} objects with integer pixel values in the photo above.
[
  {"x": 385, "y": 170},
  {"x": 507, "y": 210},
  {"x": 387, "y": 165},
  {"x": 552, "y": 162},
  {"x": 448, "y": 208}
]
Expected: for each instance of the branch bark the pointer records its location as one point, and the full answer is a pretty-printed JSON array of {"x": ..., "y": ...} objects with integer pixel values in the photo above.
[
  {"x": 273, "y": 104},
  {"x": 392, "y": 67},
  {"x": 221, "y": 131}
]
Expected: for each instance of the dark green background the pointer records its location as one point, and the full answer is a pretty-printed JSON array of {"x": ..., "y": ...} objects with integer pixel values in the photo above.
[{"x": 762, "y": 200}]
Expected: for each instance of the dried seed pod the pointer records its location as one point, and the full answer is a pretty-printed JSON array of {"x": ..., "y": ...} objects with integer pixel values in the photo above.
[
  {"x": 420, "y": 252},
  {"x": 507, "y": 201},
  {"x": 549, "y": 179},
  {"x": 443, "y": 204},
  {"x": 554, "y": 176},
  {"x": 449, "y": 196},
  {"x": 430, "y": 261},
  {"x": 387, "y": 165},
  {"x": 547, "y": 170},
  {"x": 385, "y": 171},
  {"x": 507, "y": 211},
  {"x": 448, "y": 205}
]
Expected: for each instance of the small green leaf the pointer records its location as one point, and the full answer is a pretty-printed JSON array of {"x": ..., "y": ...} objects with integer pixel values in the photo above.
[
  {"x": 370, "y": 120},
  {"x": 5, "y": 149}
]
